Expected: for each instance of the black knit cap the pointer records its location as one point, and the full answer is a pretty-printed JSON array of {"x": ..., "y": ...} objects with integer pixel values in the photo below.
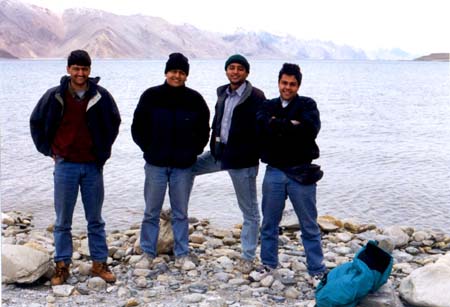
[
  {"x": 177, "y": 61},
  {"x": 237, "y": 58}
]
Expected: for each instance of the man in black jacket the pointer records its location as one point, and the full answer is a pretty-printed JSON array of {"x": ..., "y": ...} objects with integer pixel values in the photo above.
[
  {"x": 76, "y": 124},
  {"x": 234, "y": 147},
  {"x": 171, "y": 126},
  {"x": 289, "y": 126}
]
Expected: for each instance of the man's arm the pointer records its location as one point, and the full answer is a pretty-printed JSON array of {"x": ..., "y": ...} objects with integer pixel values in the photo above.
[
  {"x": 140, "y": 126},
  {"x": 37, "y": 125}
]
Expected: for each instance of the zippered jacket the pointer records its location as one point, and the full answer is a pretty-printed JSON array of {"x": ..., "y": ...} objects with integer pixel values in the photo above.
[
  {"x": 242, "y": 149},
  {"x": 171, "y": 125},
  {"x": 103, "y": 118}
]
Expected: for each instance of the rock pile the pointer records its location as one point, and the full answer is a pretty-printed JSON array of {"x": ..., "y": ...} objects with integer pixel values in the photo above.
[{"x": 212, "y": 279}]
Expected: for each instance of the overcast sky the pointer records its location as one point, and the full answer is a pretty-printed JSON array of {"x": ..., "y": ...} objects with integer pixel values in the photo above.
[{"x": 416, "y": 26}]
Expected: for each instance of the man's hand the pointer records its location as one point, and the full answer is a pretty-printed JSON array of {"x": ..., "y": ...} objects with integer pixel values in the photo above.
[{"x": 295, "y": 122}]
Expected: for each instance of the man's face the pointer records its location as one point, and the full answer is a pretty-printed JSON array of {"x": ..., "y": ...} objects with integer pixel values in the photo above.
[
  {"x": 237, "y": 74},
  {"x": 78, "y": 75},
  {"x": 288, "y": 87},
  {"x": 176, "y": 77}
]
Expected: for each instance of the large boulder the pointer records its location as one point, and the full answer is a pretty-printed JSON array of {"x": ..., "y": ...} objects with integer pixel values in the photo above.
[
  {"x": 22, "y": 264},
  {"x": 397, "y": 235},
  {"x": 428, "y": 286},
  {"x": 165, "y": 238}
]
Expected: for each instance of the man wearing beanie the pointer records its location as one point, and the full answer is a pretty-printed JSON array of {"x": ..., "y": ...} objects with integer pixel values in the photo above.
[
  {"x": 171, "y": 126},
  {"x": 234, "y": 147}
]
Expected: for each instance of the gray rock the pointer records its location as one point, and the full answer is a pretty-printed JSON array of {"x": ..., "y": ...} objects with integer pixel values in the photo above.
[
  {"x": 96, "y": 284},
  {"x": 141, "y": 282},
  {"x": 343, "y": 250},
  {"x": 277, "y": 285},
  {"x": 421, "y": 236},
  {"x": 267, "y": 281},
  {"x": 238, "y": 281},
  {"x": 343, "y": 236},
  {"x": 84, "y": 269},
  {"x": 222, "y": 276},
  {"x": 123, "y": 292},
  {"x": 197, "y": 238},
  {"x": 214, "y": 302},
  {"x": 50, "y": 299},
  {"x": 412, "y": 250},
  {"x": 397, "y": 234},
  {"x": 21, "y": 264},
  {"x": 63, "y": 290},
  {"x": 401, "y": 256},
  {"x": 292, "y": 293},
  {"x": 214, "y": 243},
  {"x": 84, "y": 247},
  {"x": 193, "y": 298},
  {"x": 385, "y": 242},
  {"x": 384, "y": 297},
  {"x": 83, "y": 289},
  {"x": 198, "y": 288},
  {"x": 141, "y": 272},
  {"x": 429, "y": 285}
]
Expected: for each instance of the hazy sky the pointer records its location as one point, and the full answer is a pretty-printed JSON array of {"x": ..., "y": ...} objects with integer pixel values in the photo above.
[{"x": 416, "y": 26}]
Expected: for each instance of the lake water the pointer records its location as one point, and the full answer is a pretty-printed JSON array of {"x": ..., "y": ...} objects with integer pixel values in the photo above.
[{"x": 385, "y": 140}]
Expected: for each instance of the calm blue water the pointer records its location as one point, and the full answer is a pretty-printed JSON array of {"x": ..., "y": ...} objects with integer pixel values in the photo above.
[{"x": 385, "y": 140}]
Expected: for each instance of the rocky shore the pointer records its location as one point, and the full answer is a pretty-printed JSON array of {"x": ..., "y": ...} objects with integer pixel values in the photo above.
[{"x": 420, "y": 277}]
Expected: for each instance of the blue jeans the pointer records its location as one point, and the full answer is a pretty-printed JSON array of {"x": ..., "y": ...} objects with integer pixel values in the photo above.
[
  {"x": 276, "y": 187},
  {"x": 244, "y": 183},
  {"x": 69, "y": 177},
  {"x": 180, "y": 184}
]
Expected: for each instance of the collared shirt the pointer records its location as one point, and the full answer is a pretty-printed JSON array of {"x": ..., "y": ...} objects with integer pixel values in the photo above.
[
  {"x": 233, "y": 98},
  {"x": 284, "y": 103},
  {"x": 78, "y": 95}
]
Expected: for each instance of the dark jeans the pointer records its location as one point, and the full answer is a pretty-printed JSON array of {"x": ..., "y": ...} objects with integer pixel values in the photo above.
[
  {"x": 276, "y": 187},
  {"x": 70, "y": 177}
]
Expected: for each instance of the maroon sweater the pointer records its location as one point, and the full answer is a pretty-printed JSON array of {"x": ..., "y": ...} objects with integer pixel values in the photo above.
[{"x": 73, "y": 141}]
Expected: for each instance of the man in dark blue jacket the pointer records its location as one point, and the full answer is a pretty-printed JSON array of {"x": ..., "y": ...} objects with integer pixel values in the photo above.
[
  {"x": 235, "y": 148},
  {"x": 76, "y": 123},
  {"x": 289, "y": 126},
  {"x": 171, "y": 126}
]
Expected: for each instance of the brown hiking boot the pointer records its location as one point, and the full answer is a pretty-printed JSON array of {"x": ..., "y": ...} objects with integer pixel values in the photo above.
[
  {"x": 102, "y": 270},
  {"x": 61, "y": 273}
]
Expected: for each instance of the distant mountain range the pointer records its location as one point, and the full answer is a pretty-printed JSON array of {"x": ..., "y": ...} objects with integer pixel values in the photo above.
[{"x": 29, "y": 31}]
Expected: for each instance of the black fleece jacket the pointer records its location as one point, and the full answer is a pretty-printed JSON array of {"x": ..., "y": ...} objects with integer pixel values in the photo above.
[
  {"x": 283, "y": 143},
  {"x": 171, "y": 125}
]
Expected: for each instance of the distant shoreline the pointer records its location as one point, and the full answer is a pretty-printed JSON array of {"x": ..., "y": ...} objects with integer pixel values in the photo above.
[{"x": 439, "y": 57}]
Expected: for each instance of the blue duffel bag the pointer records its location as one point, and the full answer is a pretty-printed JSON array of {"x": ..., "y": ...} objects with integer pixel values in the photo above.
[{"x": 348, "y": 283}]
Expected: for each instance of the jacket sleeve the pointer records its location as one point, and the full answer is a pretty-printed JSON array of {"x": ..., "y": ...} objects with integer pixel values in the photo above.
[
  {"x": 115, "y": 118},
  {"x": 309, "y": 118},
  {"x": 203, "y": 125},
  {"x": 305, "y": 112},
  {"x": 264, "y": 116},
  {"x": 140, "y": 126},
  {"x": 38, "y": 125}
]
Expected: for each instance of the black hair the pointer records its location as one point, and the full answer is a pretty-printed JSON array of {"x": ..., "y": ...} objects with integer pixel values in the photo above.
[
  {"x": 291, "y": 70},
  {"x": 79, "y": 57}
]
